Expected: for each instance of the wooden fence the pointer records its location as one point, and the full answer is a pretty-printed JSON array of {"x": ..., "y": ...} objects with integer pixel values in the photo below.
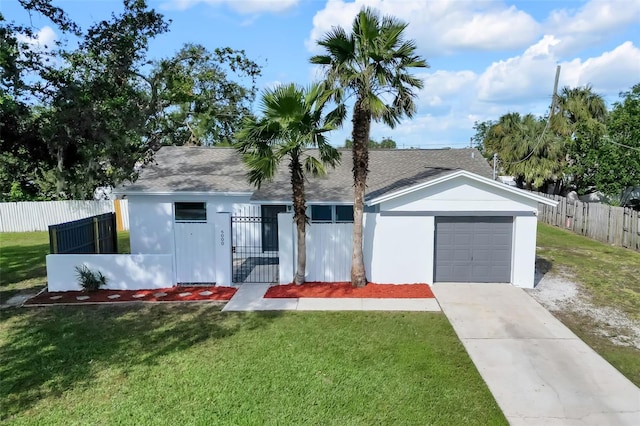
[
  {"x": 26, "y": 216},
  {"x": 95, "y": 234},
  {"x": 612, "y": 225}
]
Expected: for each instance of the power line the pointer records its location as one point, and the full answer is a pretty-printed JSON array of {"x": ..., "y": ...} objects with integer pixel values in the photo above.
[
  {"x": 546, "y": 126},
  {"x": 626, "y": 146}
]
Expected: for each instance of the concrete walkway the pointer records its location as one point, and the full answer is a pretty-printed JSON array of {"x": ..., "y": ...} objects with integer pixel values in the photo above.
[
  {"x": 249, "y": 297},
  {"x": 538, "y": 371}
]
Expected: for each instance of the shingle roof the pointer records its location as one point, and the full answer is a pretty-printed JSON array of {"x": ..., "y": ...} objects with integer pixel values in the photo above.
[{"x": 200, "y": 169}]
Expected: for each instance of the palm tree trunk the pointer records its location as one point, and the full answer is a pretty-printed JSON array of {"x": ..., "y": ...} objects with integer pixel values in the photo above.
[
  {"x": 299, "y": 216},
  {"x": 360, "y": 136}
]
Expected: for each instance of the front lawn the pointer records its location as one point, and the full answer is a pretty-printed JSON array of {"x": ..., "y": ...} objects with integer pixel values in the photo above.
[
  {"x": 22, "y": 261},
  {"x": 192, "y": 364}
]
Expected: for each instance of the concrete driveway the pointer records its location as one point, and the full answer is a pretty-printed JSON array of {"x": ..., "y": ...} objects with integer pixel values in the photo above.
[{"x": 539, "y": 372}]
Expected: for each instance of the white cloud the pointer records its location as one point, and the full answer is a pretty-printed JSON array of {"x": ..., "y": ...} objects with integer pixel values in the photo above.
[
  {"x": 609, "y": 73},
  {"x": 528, "y": 75},
  {"x": 439, "y": 27},
  {"x": 491, "y": 30},
  {"x": 241, "y": 6},
  {"x": 441, "y": 86},
  {"x": 43, "y": 39},
  {"x": 593, "y": 22}
]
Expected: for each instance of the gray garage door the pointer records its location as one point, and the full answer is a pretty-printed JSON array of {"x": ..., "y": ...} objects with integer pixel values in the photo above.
[{"x": 473, "y": 249}]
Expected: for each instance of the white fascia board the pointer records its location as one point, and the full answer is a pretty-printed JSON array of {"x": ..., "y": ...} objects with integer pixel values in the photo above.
[
  {"x": 329, "y": 203},
  {"x": 187, "y": 193},
  {"x": 498, "y": 185},
  {"x": 271, "y": 202},
  {"x": 307, "y": 202}
]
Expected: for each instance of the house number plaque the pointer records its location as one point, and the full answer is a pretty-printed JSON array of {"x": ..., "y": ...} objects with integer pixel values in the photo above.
[{"x": 221, "y": 238}]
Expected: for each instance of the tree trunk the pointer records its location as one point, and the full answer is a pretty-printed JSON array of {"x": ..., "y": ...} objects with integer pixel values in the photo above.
[
  {"x": 360, "y": 136},
  {"x": 299, "y": 216},
  {"x": 60, "y": 181}
]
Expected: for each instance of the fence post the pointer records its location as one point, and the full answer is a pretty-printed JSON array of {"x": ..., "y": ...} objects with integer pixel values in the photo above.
[
  {"x": 54, "y": 241},
  {"x": 96, "y": 235},
  {"x": 114, "y": 234}
]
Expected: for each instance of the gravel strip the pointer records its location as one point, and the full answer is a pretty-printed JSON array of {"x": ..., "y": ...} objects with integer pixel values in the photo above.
[{"x": 558, "y": 293}]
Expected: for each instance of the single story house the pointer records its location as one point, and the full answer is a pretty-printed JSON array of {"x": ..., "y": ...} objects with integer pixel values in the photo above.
[{"x": 430, "y": 216}]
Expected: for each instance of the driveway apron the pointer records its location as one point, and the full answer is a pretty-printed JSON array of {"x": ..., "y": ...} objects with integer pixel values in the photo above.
[{"x": 538, "y": 371}]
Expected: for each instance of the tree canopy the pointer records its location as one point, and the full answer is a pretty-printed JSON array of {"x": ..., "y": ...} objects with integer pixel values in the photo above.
[
  {"x": 582, "y": 146},
  {"x": 385, "y": 143},
  {"x": 87, "y": 113}
]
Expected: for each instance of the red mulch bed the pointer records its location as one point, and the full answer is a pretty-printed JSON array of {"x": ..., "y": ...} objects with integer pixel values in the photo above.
[
  {"x": 173, "y": 294},
  {"x": 345, "y": 290}
]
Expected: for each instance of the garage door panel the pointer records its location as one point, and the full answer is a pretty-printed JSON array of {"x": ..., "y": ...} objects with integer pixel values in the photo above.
[
  {"x": 473, "y": 249},
  {"x": 461, "y": 255}
]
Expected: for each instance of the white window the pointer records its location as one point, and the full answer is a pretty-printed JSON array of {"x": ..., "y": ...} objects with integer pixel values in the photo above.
[
  {"x": 190, "y": 212},
  {"x": 331, "y": 214}
]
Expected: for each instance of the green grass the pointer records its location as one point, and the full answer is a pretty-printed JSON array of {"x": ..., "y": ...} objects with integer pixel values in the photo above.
[
  {"x": 609, "y": 275},
  {"x": 191, "y": 364},
  {"x": 22, "y": 261}
]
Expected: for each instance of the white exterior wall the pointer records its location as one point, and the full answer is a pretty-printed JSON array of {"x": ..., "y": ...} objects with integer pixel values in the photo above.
[
  {"x": 198, "y": 250},
  {"x": 400, "y": 249},
  {"x": 123, "y": 271},
  {"x": 524, "y": 251},
  {"x": 151, "y": 218},
  {"x": 459, "y": 196}
]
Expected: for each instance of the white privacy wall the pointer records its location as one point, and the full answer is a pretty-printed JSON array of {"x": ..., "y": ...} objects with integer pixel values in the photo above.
[
  {"x": 123, "y": 271},
  {"x": 329, "y": 248}
]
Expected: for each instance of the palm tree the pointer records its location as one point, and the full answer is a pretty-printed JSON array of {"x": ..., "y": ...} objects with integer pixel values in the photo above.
[
  {"x": 576, "y": 105},
  {"x": 580, "y": 120},
  {"x": 372, "y": 63},
  {"x": 525, "y": 148},
  {"x": 292, "y": 121}
]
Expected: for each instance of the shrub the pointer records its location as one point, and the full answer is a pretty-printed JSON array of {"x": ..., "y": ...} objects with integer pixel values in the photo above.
[{"x": 90, "y": 280}]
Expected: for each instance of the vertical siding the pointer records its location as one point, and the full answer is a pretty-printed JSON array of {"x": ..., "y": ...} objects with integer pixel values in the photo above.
[
  {"x": 329, "y": 248},
  {"x": 27, "y": 216}
]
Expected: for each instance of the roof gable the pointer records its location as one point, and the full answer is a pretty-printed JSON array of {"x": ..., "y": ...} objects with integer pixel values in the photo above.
[{"x": 455, "y": 175}]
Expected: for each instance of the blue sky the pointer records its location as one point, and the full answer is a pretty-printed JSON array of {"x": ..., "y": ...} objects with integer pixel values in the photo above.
[{"x": 487, "y": 57}]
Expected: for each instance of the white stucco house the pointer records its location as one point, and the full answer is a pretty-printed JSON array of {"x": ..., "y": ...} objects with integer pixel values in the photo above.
[{"x": 431, "y": 216}]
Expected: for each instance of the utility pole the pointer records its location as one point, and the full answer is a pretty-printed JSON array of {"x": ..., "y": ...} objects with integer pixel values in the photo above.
[
  {"x": 495, "y": 164},
  {"x": 554, "y": 99}
]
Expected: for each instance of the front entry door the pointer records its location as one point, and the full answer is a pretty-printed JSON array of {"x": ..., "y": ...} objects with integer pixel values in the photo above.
[
  {"x": 195, "y": 252},
  {"x": 270, "y": 226}
]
